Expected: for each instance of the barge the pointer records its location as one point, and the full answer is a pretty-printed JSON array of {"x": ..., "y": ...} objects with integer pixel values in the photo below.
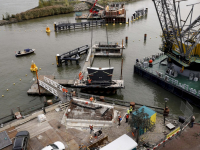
[
  {"x": 108, "y": 49},
  {"x": 178, "y": 68},
  {"x": 181, "y": 86}
]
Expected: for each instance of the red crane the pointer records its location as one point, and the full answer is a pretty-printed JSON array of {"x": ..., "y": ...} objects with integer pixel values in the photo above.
[{"x": 91, "y": 10}]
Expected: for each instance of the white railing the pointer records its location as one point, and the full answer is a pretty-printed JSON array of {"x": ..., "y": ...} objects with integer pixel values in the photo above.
[
  {"x": 49, "y": 88},
  {"x": 53, "y": 83}
]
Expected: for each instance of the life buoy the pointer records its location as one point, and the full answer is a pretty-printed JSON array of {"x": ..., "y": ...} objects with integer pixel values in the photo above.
[{"x": 181, "y": 71}]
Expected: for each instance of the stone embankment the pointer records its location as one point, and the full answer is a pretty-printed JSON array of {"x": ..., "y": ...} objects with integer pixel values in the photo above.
[{"x": 81, "y": 7}]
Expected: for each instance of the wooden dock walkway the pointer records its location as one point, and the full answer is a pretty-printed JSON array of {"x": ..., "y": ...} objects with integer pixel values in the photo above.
[{"x": 71, "y": 26}]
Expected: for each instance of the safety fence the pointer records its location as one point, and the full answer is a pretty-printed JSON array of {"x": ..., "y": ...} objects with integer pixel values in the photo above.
[
  {"x": 24, "y": 111},
  {"x": 114, "y": 101}
]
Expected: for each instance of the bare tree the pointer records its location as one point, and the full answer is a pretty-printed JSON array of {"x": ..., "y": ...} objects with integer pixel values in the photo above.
[{"x": 140, "y": 121}]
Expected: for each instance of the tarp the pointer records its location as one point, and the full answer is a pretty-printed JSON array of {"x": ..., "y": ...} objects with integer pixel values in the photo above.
[
  {"x": 124, "y": 142},
  {"x": 147, "y": 110}
]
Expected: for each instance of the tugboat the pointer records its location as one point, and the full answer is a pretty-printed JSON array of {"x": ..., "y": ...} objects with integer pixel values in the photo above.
[
  {"x": 177, "y": 69},
  {"x": 24, "y": 52}
]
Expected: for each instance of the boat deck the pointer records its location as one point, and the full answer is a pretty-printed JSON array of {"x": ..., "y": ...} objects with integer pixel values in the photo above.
[
  {"x": 118, "y": 85},
  {"x": 181, "y": 81}
]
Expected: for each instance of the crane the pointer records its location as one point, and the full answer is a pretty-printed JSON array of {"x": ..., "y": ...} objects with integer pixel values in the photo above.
[
  {"x": 180, "y": 40},
  {"x": 94, "y": 12}
]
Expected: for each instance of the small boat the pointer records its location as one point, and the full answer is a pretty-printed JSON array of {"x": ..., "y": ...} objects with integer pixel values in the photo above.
[{"x": 24, "y": 52}]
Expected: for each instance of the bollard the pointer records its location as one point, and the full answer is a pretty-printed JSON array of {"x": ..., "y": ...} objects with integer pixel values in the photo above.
[
  {"x": 145, "y": 37},
  {"x": 134, "y": 16},
  {"x": 54, "y": 26},
  {"x": 128, "y": 20},
  {"x": 126, "y": 39},
  {"x": 131, "y": 17},
  {"x": 146, "y": 11}
]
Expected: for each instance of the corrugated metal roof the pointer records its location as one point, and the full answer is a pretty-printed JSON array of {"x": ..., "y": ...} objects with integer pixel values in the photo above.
[{"x": 124, "y": 142}]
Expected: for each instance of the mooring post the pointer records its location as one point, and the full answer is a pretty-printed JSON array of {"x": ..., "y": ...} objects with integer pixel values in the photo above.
[
  {"x": 55, "y": 26},
  {"x": 146, "y": 11},
  {"x": 122, "y": 48},
  {"x": 121, "y": 69},
  {"x": 145, "y": 37},
  {"x": 58, "y": 61},
  {"x": 126, "y": 40},
  {"x": 134, "y": 16},
  {"x": 38, "y": 82}
]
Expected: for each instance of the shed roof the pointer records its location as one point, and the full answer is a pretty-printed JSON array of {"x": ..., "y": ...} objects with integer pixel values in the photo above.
[{"x": 147, "y": 110}]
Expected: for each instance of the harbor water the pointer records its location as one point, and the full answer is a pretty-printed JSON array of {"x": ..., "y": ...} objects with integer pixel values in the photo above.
[{"x": 32, "y": 34}]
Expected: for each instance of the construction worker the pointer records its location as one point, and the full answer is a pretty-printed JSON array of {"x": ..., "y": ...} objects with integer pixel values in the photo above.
[
  {"x": 127, "y": 116},
  {"x": 119, "y": 119},
  {"x": 63, "y": 89},
  {"x": 91, "y": 99},
  {"x": 192, "y": 121},
  {"x": 89, "y": 80},
  {"x": 80, "y": 73},
  {"x": 91, "y": 128},
  {"x": 128, "y": 111},
  {"x": 131, "y": 109}
]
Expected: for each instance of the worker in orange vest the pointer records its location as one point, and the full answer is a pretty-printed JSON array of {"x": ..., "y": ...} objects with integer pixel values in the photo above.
[
  {"x": 91, "y": 99},
  {"x": 91, "y": 128},
  {"x": 127, "y": 116},
  {"x": 80, "y": 73},
  {"x": 63, "y": 89},
  {"x": 89, "y": 80}
]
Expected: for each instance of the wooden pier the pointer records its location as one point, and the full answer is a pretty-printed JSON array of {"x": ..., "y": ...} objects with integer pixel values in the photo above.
[
  {"x": 73, "y": 26},
  {"x": 110, "y": 49},
  {"x": 73, "y": 55}
]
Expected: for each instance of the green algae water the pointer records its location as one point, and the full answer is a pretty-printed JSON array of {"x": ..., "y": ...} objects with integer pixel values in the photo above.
[{"x": 32, "y": 34}]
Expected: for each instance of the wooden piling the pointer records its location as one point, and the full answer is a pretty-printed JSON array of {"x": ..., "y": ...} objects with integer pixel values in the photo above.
[
  {"x": 145, "y": 37},
  {"x": 121, "y": 69},
  {"x": 126, "y": 40},
  {"x": 122, "y": 48}
]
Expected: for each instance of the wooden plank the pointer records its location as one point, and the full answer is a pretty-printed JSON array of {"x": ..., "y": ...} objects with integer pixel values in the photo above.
[
  {"x": 44, "y": 139},
  {"x": 8, "y": 148},
  {"x": 29, "y": 147},
  {"x": 65, "y": 136},
  {"x": 53, "y": 135},
  {"x": 11, "y": 132},
  {"x": 35, "y": 144}
]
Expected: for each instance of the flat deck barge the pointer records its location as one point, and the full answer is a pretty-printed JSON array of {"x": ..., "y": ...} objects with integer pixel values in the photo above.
[{"x": 181, "y": 86}]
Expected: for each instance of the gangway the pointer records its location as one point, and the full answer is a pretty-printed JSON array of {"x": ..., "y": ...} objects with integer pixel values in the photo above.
[{"x": 54, "y": 88}]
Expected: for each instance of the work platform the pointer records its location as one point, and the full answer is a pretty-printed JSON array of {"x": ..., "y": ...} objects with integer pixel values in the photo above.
[
  {"x": 72, "y": 26},
  {"x": 73, "y": 55},
  {"x": 108, "y": 49}
]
